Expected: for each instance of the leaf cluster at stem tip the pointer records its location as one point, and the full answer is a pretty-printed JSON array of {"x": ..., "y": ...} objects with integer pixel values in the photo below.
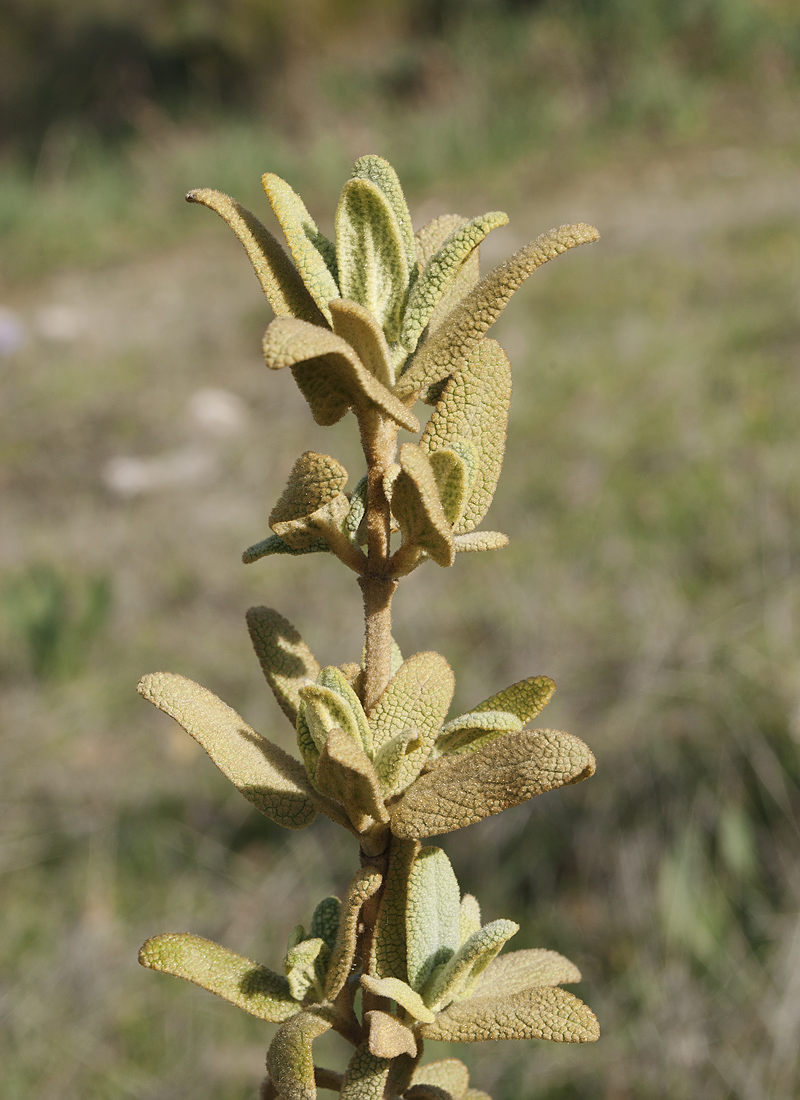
[{"x": 373, "y": 321}]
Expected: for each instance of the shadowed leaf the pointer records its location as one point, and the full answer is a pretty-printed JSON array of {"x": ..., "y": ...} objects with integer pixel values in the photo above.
[
  {"x": 466, "y": 788},
  {"x": 451, "y": 345},
  {"x": 417, "y": 508},
  {"x": 290, "y": 1062},
  {"x": 528, "y": 969},
  {"x": 314, "y": 255},
  {"x": 355, "y": 324},
  {"x": 325, "y": 921},
  {"x": 432, "y": 915},
  {"x": 272, "y": 544},
  {"x": 345, "y": 773},
  {"x": 312, "y": 500},
  {"x": 267, "y": 776},
  {"x": 240, "y": 981},
  {"x": 452, "y": 482},
  {"x": 548, "y": 1013},
  {"x": 470, "y": 731},
  {"x": 447, "y": 1073},
  {"x": 281, "y": 282},
  {"x": 364, "y": 885},
  {"x": 305, "y": 965},
  {"x": 286, "y": 661}
]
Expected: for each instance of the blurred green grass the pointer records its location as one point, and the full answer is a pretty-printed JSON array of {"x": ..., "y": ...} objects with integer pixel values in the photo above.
[{"x": 651, "y": 494}]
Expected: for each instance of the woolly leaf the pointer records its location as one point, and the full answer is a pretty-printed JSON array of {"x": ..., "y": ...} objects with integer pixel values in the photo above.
[
  {"x": 469, "y": 731},
  {"x": 440, "y": 273},
  {"x": 548, "y": 1013},
  {"x": 457, "y": 977},
  {"x": 345, "y": 773},
  {"x": 275, "y": 545},
  {"x": 416, "y": 698},
  {"x": 365, "y": 1076},
  {"x": 290, "y": 1062},
  {"x": 396, "y": 990},
  {"x": 416, "y": 506},
  {"x": 476, "y": 541},
  {"x": 380, "y": 172},
  {"x": 474, "y": 408},
  {"x": 469, "y": 918},
  {"x": 329, "y": 373},
  {"x": 314, "y": 255},
  {"x": 452, "y": 482},
  {"x": 358, "y": 505},
  {"x": 476, "y": 1094},
  {"x": 430, "y": 237},
  {"x": 324, "y": 709},
  {"x": 305, "y": 965},
  {"x": 388, "y": 1038},
  {"x": 528, "y": 969},
  {"x": 427, "y": 1092},
  {"x": 390, "y": 757},
  {"x": 526, "y": 698},
  {"x": 355, "y": 324},
  {"x": 335, "y": 680},
  {"x": 432, "y": 912},
  {"x": 388, "y": 955},
  {"x": 312, "y": 500},
  {"x": 285, "y": 659},
  {"x": 364, "y": 885},
  {"x": 462, "y": 789},
  {"x": 451, "y": 345},
  {"x": 446, "y": 1073},
  {"x": 232, "y": 977},
  {"x": 325, "y": 921},
  {"x": 267, "y": 776},
  {"x": 281, "y": 282}
]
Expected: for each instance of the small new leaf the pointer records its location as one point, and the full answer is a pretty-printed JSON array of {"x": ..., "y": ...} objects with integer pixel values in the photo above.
[
  {"x": 312, "y": 500},
  {"x": 286, "y": 661},
  {"x": 396, "y": 990},
  {"x": 345, "y": 774},
  {"x": 267, "y": 776},
  {"x": 355, "y": 324},
  {"x": 418, "y": 510},
  {"x": 452, "y": 482},
  {"x": 232, "y": 977},
  {"x": 305, "y": 965},
  {"x": 457, "y": 977},
  {"x": 388, "y": 1038},
  {"x": 325, "y": 921},
  {"x": 380, "y": 172},
  {"x": 462, "y": 789},
  {"x": 432, "y": 915},
  {"x": 290, "y": 1062},
  {"x": 547, "y": 1013}
]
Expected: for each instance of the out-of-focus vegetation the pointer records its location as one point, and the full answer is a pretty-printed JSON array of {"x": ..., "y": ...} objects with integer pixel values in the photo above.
[{"x": 651, "y": 495}]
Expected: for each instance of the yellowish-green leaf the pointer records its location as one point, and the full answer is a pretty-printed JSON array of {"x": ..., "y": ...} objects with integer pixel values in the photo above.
[
  {"x": 365, "y": 1076},
  {"x": 267, "y": 776},
  {"x": 360, "y": 328},
  {"x": 312, "y": 501},
  {"x": 290, "y": 1062},
  {"x": 469, "y": 918},
  {"x": 476, "y": 541},
  {"x": 324, "y": 709},
  {"x": 305, "y": 965},
  {"x": 280, "y": 280},
  {"x": 390, "y": 757},
  {"x": 430, "y": 237},
  {"x": 547, "y": 1013},
  {"x": 447, "y": 1073},
  {"x": 476, "y": 1094},
  {"x": 335, "y": 680},
  {"x": 285, "y": 659},
  {"x": 474, "y": 408},
  {"x": 457, "y": 977},
  {"x": 363, "y": 886},
  {"x": 345, "y": 774},
  {"x": 416, "y": 698},
  {"x": 526, "y": 698},
  {"x": 388, "y": 956},
  {"x": 452, "y": 482},
  {"x": 329, "y": 373},
  {"x": 417, "y": 508},
  {"x": 358, "y": 505},
  {"x": 397, "y": 990},
  {"x": 440, "y": 273},
  {"x": 325, "y": 921},
  {"x": 388, "y": 1038},
  {"x": 465, "y": 788},
  {"x": 528, "y": 969},
  {"x": 451, "y": 345},
  {"x": 272, "y": 544},
  {"x": 373, "y": 264},
  {"x": 314, "y": 255},
  {"x": 469, "y": 731},
  {"x": 380, "y": 172},
  {"x": 432, "y": 915},
  {"x": 240, "y": 981}
]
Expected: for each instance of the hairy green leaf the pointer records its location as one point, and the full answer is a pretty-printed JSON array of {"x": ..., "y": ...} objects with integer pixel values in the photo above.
[
  {"x": 396, "y": 990},
  {"x": 457, "y": 977},
  {"x": 324, "y": 709},
  {"x": 380, "y": 172},
  {"x": 314, "y": 255},
  {"x": 469, "y": 918},
  {"x": 373, "y": 266},
  {"x": 440, "y": 273},
  {"x": 281, "y": 282},
  {"x": 355, "y": 324},
  {"x": 329, "y": 373},
  {"x": 388, "y": 956},
  {"x": 526, "y": 698},
  {"x": 469, "y": 731},
  {"x": 290, "y": 1062},
  {"x": 364, "y": 885},
  {"x": 325, "y": 921},
  {"x": 452, "y": 482},
  {"x": 473, "y": 408},
  {"x": 416, "y": 698},
  {"x": 358, "y": 505},
  {"x": 547, "y": 1013},
  {"x": 390, "y": 757},
  {"x": 335, "y": 680},
  {"x": 528, "y": 969},
  {"x": 305, "y": 965},
  {"x": 476, "y": 541},
  {"x": 365, "y": 1076},
  {"x": 417, "y": 508},
  {"x": 312, "y": 500},
  {"x": 267, "y": 776},
  {"x": 451, "y": 345},
  {"x": 432, "y": 915},
  {"x": 388, "y": 1038},
  {"x": 285, "y": 659},
  {"x": 462, "y": 789},
  {"x": 447, "y": 1073},
  {"x": 345, "y": 773},
  {"x": 272, "y": 544},
  {"x": 240, "y": 981}
]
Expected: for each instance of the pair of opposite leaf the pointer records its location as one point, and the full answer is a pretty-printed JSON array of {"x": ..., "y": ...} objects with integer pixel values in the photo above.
[
  {"x": 401, "y": 768},
  {"x": 434, "y": 971},
  {"x": 373, "y": 321}
]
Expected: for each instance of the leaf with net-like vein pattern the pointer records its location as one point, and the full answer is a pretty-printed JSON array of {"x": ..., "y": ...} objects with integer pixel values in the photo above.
[
  {"x": 547, "y": 1013},
  {"x": 286, "y": 661}
]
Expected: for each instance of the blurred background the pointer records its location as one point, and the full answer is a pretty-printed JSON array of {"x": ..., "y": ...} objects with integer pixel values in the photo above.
[{"x": 652, "y": 496}]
